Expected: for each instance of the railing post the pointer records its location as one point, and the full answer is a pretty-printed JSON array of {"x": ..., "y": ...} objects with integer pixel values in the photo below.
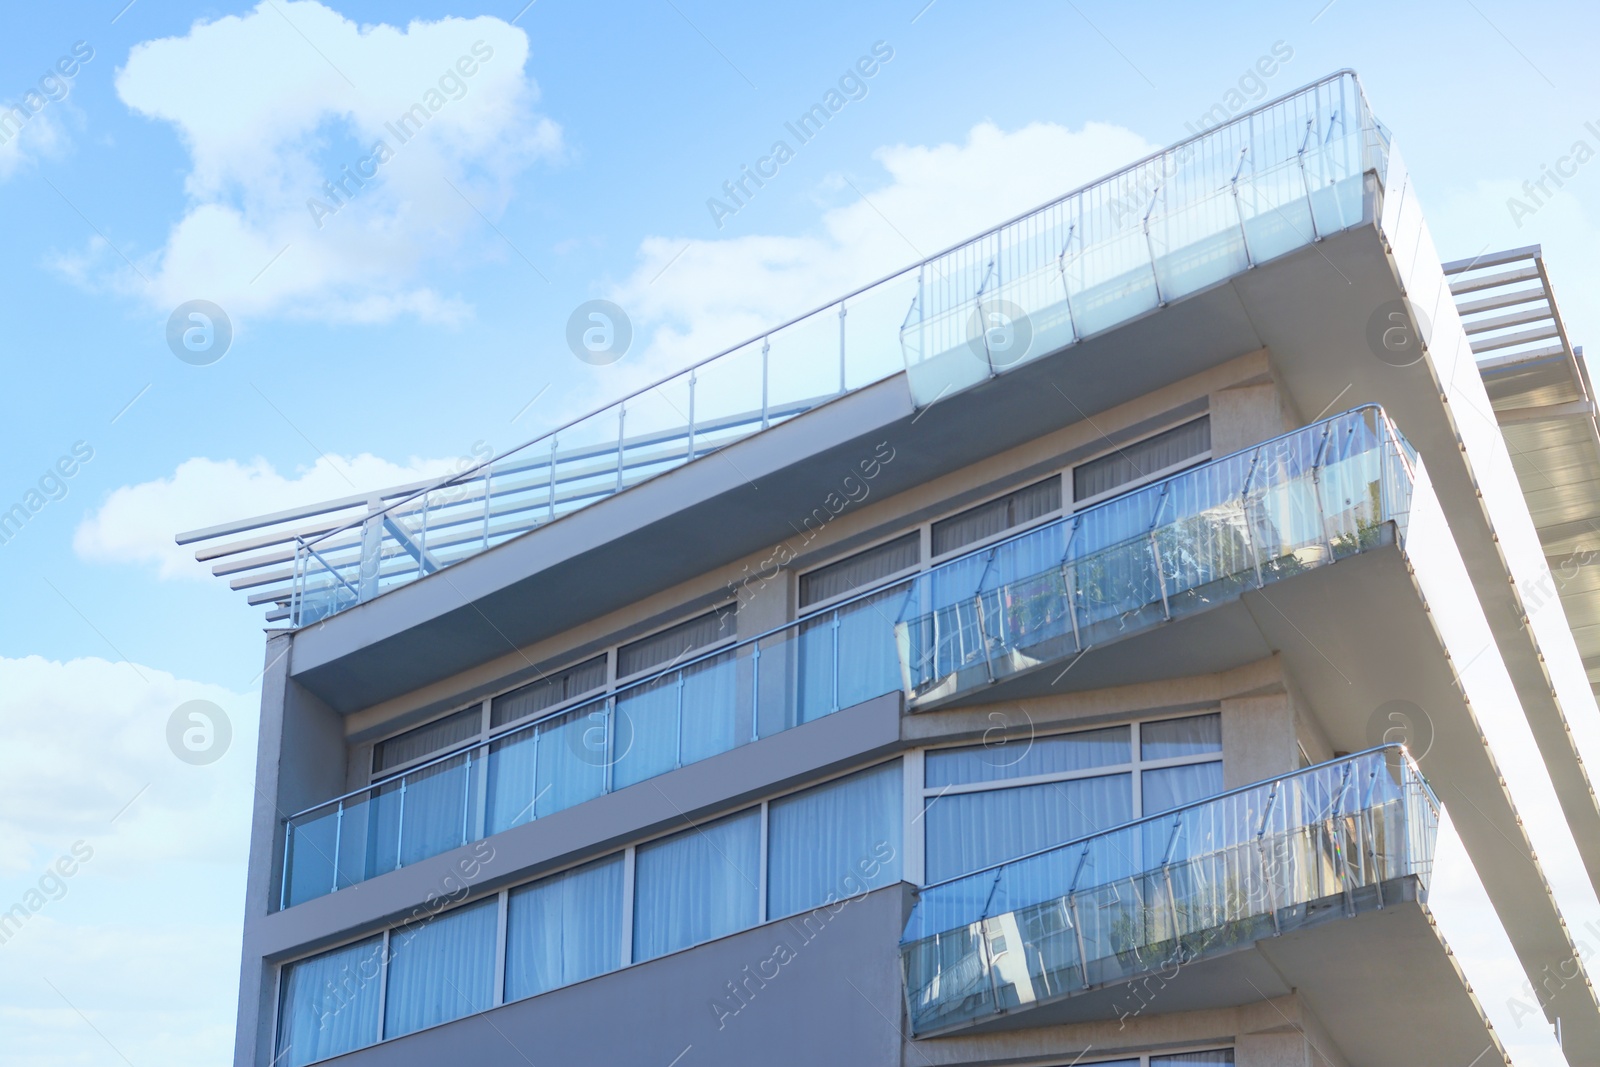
[
  {"x": 622, "y": 414},
  {"x": 400, "y": 827},
  {"x": 1244, "y": 235},
  {"x": 552, "y": 511},
  {"x": 1316, "y": 491},
  {"x": 1261, "y": 851},
  {"x": 755, "y": 692},
  {"x": 1066, "y": 287},
  {"x": 677, "y": 758},
  {"x": 288, "y": 846},
  {"x": 691, "y": 414},
  {"x": 338, "y": 841},
  {"x": 466, "y": 800},
  {"x": 835, "y": 659},
  {"x": 1311, "y": 210},
  {"x": 841, "y": 346},
  {"x": 609, "y": 754},
  {"x": 1150, "y": 247},
  {"x": 983, "y": 638},
  {"x": 488, "y": 497},
  {"x": 766, "y": 349},
  {"x": 1077, "y": 925},
  {"x": 1161, "y": 578},
  {"x": 533, "y": 788}
]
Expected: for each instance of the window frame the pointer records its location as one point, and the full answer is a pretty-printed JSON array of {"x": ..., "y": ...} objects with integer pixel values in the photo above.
[
  {"x": 1204, "y": 456},
  {"x": 1134, "y": 768},
  {"x": 887, "y": 581}
]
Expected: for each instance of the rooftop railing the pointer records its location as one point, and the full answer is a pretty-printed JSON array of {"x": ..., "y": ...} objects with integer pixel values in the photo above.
[
  {"x": 1162, "y": 892},
  {"x": 1262, "y": 184},
  {"x": 1173, "y": 547}
]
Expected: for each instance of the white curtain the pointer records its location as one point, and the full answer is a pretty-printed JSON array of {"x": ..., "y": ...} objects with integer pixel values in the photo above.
[
  {"x": 330, "y": 1003},
  {"x": 564, "y": 929},
  {"x": 1022, "y": 757},
  {"x": 1165, "y": 788},
  {"x": 1171, "y": 738},
  {"x": 966, "y": 831},
  {"x": 1222, "y": 1057},
  {"x": 867, "y": 662},
  {"x": 572, "y": 758},
  {"x": 439, "y": 806},
  {"x": 840, "y": 840},
  {"x": 441, "y": 968},
  {"x": 697, "y": 885},
  {"x": 511, "y": 782}
]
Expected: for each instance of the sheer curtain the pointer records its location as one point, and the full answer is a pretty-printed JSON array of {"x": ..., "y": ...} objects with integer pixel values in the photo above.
[
  {"x": 1165, "y": 788},
  {"x": 330, "y": 1003},
  {"x": 966, "y": 831},
  {"x": 564, "y": 929},
  {"x": 838, "y": 840},
  {"x": 1222, "y": 1057},
  {"x": 1025, "y": 756},
  {"x": 441, "y": 968},
  {"x": 697, "y": 885},
  {"x": 1171, "y": 738}
]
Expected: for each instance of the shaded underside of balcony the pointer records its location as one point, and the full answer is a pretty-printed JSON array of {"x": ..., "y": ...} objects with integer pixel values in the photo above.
[{"x": 1381, "y": 981}]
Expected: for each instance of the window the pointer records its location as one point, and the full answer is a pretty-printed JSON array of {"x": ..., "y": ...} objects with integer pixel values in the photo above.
[
  {"x": 985, "y": 804},
  {"x": 564, "y": 929},
  {"x": 548, "y": 691},
  {"x": 1137, "y": 461},
  {"x": 676, "y": 642},
  {"x": 329, "y": 1003},
  {"x": 834, "y": 841},
  {"x": 441, "y": 968},
  {"x": 697, "y": 885},
  {"x": 861, "y": 570},
  {"x": 986, "y": 520},
  {"x": 437, "y": 736}
]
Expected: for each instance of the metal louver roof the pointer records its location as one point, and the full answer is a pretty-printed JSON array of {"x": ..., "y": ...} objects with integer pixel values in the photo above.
[{"x": 1543, "y": 399}]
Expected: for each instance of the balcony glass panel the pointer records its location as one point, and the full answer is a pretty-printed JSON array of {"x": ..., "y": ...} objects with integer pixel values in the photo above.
[{"x": 1166, "y": 889}]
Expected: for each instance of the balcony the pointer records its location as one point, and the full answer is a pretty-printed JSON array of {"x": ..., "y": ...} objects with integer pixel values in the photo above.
[
  {"x": 1114, "y": 570},
  {"x": 1169, "y": 891},
  {"x": 1265, "y": 184},
  {"x": 1168, "y": 550}
]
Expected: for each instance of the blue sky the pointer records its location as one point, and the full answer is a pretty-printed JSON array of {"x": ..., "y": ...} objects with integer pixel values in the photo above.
[{"x": 416, "y": 323}]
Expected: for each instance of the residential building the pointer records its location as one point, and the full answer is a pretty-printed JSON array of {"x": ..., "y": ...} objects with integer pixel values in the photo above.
[{"x": 1137, "y": 635}]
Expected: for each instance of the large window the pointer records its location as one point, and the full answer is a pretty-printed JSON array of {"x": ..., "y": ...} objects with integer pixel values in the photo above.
[
  {"x": 834, "y": 841},
  {"x": 997, "y": 516},
  {"x": 329, "y": 1003},
  {"x": 861, "y": 570},
  {"x": 985, "y": 804},
  {"x": 564, "y": 929},
  {"x": 1164, "y": 453},
  {"x": 697, "y": 885},
  {"x": 440, "y": 969}
]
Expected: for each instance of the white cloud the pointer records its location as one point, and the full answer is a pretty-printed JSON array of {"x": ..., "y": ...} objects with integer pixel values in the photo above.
[
  {"x": 141, "y": 936},
  {"x": 136, "y": 523},
  {"x": 275, "y": 104},
  {"x": 39, "y": 136},
  {"x": 719, "y": 292}
]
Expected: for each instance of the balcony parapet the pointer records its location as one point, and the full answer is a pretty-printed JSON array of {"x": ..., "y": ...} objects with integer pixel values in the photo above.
[{"x": 1166, "y": 891}]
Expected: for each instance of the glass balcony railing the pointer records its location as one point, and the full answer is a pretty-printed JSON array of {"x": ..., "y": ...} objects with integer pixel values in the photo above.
[
  {"x": 1162, "y": 551},
  {"x": 1267, "y": 182},
  {"x": 1162, "y": 892},
  {"x": 1172, "y": 548},
  {"x": 694, "y": 710}
]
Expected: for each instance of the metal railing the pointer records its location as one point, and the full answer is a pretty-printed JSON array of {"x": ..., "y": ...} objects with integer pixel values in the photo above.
[
  {"x": 1300, "y": 500},
  {"x": 1176, "y": 546},
  {"x": 705, "y": 705},
  {"x": 1258, "y": 186},
  {"x": 1166, "y": 890}
]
